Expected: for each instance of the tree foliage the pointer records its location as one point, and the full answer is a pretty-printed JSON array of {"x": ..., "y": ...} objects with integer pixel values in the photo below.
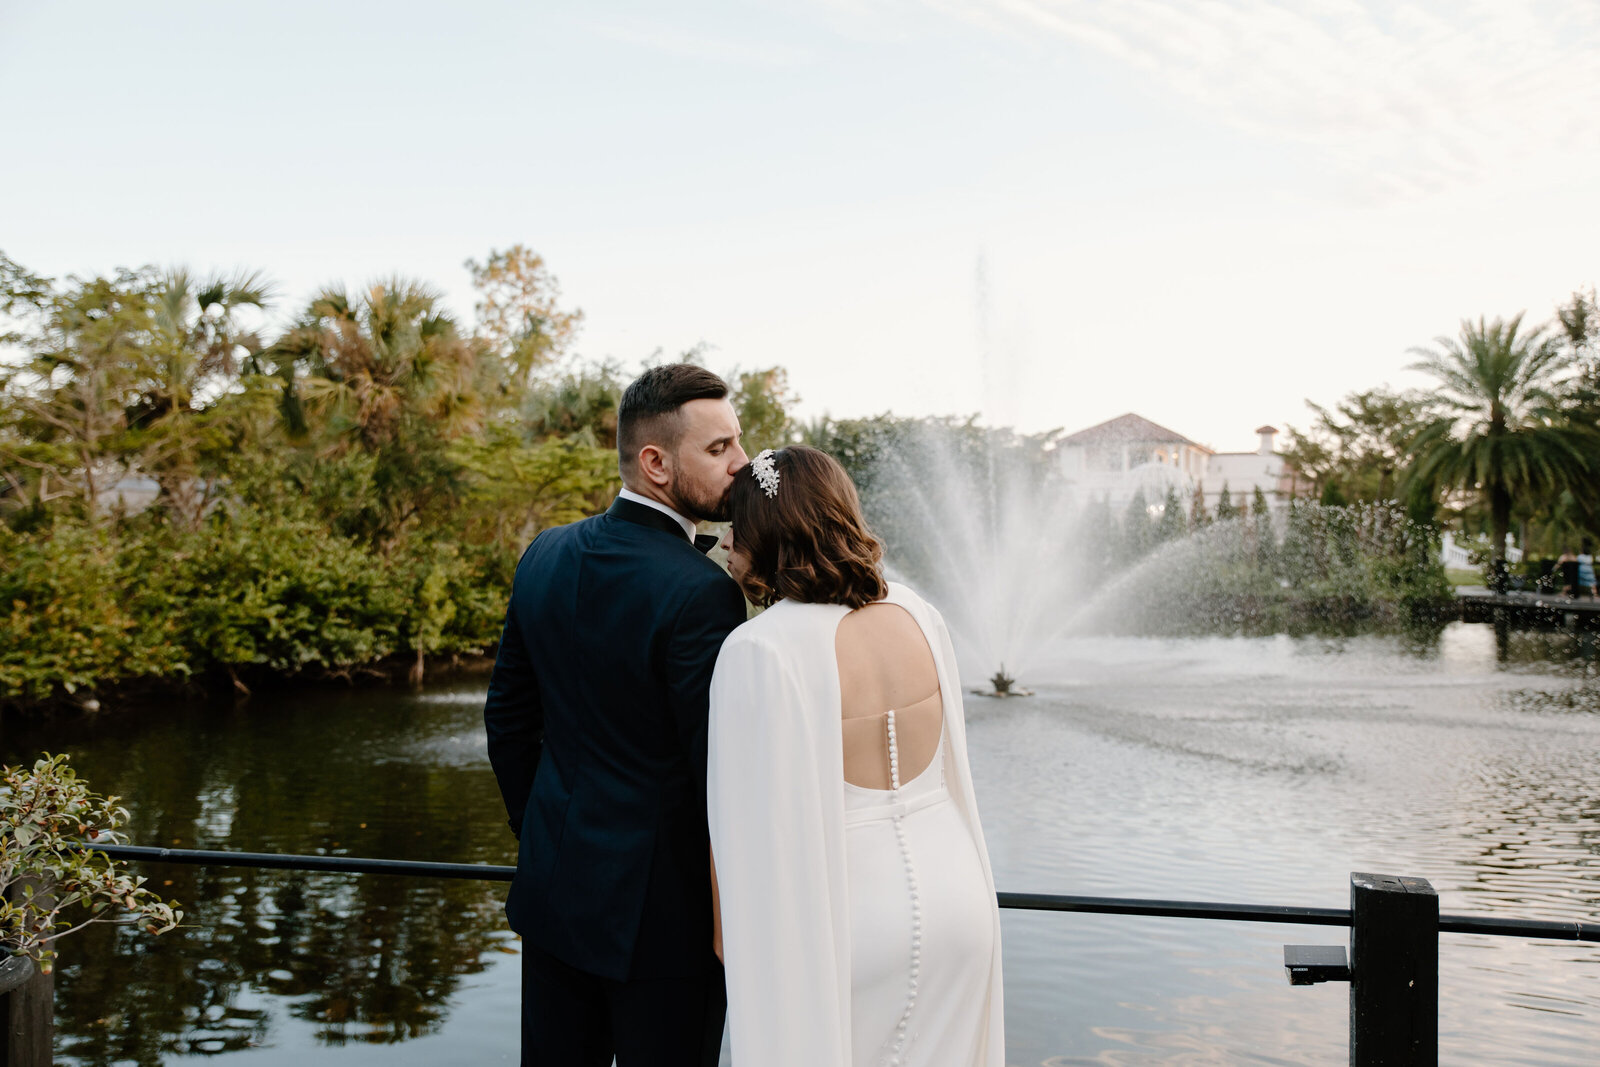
[
  {"x": 1359, "y": 444},
  {"x": 520, "y": 317},
  {"x": 1500, "y": 432},
  {"x": 762, "y": 399},
  {"x": 188, "y": 495},
  {"x": 1505, "y": 442}
]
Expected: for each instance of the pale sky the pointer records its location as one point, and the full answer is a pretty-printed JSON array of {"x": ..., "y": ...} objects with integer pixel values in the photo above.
[{"x": 1204, "y": 211}]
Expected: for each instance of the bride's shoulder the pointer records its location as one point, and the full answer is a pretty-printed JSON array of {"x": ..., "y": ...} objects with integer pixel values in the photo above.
[
  {"x": 908, "y": 598},
  {"x": 904, "y": 595},
  {"x": 899, "y": 591},
  {"x": 783, "y": 634},
  {"x": 770, "y": 627},
  {"x": 789, "y": 624},
  {"x": 758, "y": 629}
]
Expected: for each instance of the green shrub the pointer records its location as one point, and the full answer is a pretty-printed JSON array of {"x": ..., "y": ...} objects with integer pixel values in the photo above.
[
  {"x": 250, "y": 593},
  {"x": 253, "y": 591},
  {"x": 68, "y": 621}
]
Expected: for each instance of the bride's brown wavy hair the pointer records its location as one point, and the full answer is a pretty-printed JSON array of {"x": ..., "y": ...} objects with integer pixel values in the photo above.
[{"x": 810, "y": 542}]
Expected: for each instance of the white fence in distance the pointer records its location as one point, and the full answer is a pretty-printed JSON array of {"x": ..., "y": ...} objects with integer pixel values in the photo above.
[{"x": 1453, "y": 555}]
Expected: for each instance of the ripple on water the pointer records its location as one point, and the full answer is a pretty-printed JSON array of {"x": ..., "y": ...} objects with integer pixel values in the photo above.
[
  {"x": 1267, "y": 773},
  {"x": 1238, "y": 769}
]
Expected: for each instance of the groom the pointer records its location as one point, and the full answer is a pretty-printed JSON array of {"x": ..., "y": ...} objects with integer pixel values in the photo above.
[{"x": 596, "y": 718}]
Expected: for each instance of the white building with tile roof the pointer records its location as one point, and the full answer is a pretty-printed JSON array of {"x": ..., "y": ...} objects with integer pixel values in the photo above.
[{"x": 1120, "y": 456}]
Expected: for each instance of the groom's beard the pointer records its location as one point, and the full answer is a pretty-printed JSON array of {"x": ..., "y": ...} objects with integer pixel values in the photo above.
[{"x": 692, "y": 502}]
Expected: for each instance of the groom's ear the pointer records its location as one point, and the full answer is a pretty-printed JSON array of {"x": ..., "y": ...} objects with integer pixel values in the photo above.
[{"x": 653, "y": 466}]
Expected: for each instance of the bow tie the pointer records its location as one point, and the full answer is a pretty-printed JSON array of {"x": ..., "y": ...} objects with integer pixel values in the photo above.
[{"x": 705, "y": 542}]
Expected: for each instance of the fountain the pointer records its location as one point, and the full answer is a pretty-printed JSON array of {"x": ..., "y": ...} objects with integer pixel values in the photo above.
[
  {"x": 984, "y": 524},
  {"x": 979, "y": 521}
]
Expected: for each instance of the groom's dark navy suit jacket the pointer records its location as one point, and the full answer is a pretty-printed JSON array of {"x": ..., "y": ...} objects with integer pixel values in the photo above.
[{"x": 597, "y": 733}]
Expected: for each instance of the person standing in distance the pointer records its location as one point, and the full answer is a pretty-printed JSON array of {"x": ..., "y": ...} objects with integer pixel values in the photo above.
[{"x": 596, "y": 719}]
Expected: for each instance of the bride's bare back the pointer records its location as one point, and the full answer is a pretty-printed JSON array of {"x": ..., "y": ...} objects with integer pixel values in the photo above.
[{"x": 885, "y": 663}]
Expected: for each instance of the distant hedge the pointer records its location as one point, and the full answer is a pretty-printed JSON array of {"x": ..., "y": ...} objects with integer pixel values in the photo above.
[{"x": 246, "y": 596}]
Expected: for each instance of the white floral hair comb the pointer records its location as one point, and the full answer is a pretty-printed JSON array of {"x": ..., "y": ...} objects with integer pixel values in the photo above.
[{"x": 766, "y": 472}]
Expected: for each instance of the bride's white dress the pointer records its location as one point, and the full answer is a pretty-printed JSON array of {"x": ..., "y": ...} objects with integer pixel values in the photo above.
[{"x": 859, "y": 926}]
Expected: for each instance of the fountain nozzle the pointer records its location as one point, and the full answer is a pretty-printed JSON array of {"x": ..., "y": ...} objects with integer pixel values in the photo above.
[{"x": 1004, "y": 685}]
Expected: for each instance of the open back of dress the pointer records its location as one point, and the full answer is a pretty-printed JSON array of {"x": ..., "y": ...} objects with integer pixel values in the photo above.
[
  {"x": 886, "y": 670},
  {"x": 921, "y": 922}
]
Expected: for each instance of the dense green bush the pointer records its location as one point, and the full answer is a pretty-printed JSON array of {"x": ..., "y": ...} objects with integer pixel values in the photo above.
[
  {"x": 248, "y": 595},
  {"x": 286, "y": 596},
  {"x": 74, "y": 610}
]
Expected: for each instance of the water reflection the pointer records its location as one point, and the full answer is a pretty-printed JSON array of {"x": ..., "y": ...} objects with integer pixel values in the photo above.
[
  {"x": 1251, "y": 768},
  {"x": 1569, "y": 651},
  {"x": 363, "y": 959}
]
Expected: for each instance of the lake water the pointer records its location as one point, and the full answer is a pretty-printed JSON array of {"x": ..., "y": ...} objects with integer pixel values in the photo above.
[{"x": 1237, "y": 769}]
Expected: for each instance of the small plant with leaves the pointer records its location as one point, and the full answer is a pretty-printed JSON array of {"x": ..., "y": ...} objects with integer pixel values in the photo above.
[{"x": 52, "y": 881}]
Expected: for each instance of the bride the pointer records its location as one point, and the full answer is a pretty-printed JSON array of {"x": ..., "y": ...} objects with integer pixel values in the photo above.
[{"x": 856, "y": 909}]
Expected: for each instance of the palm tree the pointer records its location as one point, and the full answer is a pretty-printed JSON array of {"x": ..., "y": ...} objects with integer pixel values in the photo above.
[
  {"x": 390, "y": 354},
  {"x": 198, "y": 319},
  {"x": 196, "y": 350},
  {"x": 1502, "y": 435},
  {"x": 384, "y": 378}
]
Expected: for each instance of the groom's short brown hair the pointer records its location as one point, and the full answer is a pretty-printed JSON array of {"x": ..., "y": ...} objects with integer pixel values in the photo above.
[
  {"x": 651, "y": 408},
  {"x": 809, "y": 542}
]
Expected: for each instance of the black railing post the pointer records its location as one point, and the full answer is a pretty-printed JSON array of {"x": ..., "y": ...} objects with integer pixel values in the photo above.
[
  {"x": 1394, "y": 972},
  {"x": 27, "y": 1014}
]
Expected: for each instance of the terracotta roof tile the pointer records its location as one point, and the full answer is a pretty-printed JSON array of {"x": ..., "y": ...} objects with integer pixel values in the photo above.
[{"x": 1128, "y": 428}]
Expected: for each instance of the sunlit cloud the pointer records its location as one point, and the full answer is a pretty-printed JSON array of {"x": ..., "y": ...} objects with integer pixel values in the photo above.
[{"x": 1402, "y": 99}]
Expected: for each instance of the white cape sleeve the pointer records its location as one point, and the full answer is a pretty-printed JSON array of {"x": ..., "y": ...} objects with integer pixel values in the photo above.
[
  {"x": 958, "y": 774},
  {"x": 778, "y": 839}
]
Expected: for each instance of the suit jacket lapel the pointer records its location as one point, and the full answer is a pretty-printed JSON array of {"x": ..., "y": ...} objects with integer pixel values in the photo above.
[{"x": 632, "y": 511}]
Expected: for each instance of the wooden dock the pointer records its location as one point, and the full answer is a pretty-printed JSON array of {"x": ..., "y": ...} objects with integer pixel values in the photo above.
[{"x": 1550, "y": 609}]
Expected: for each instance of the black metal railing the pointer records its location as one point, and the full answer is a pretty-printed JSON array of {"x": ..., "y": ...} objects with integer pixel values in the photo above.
[
  {"x": 1392, "y": 966},
  {"x": 1539, "y": 929}
]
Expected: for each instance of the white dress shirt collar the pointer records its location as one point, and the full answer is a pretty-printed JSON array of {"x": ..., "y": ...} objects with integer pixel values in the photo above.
[{"x": 688, "y": 526}]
